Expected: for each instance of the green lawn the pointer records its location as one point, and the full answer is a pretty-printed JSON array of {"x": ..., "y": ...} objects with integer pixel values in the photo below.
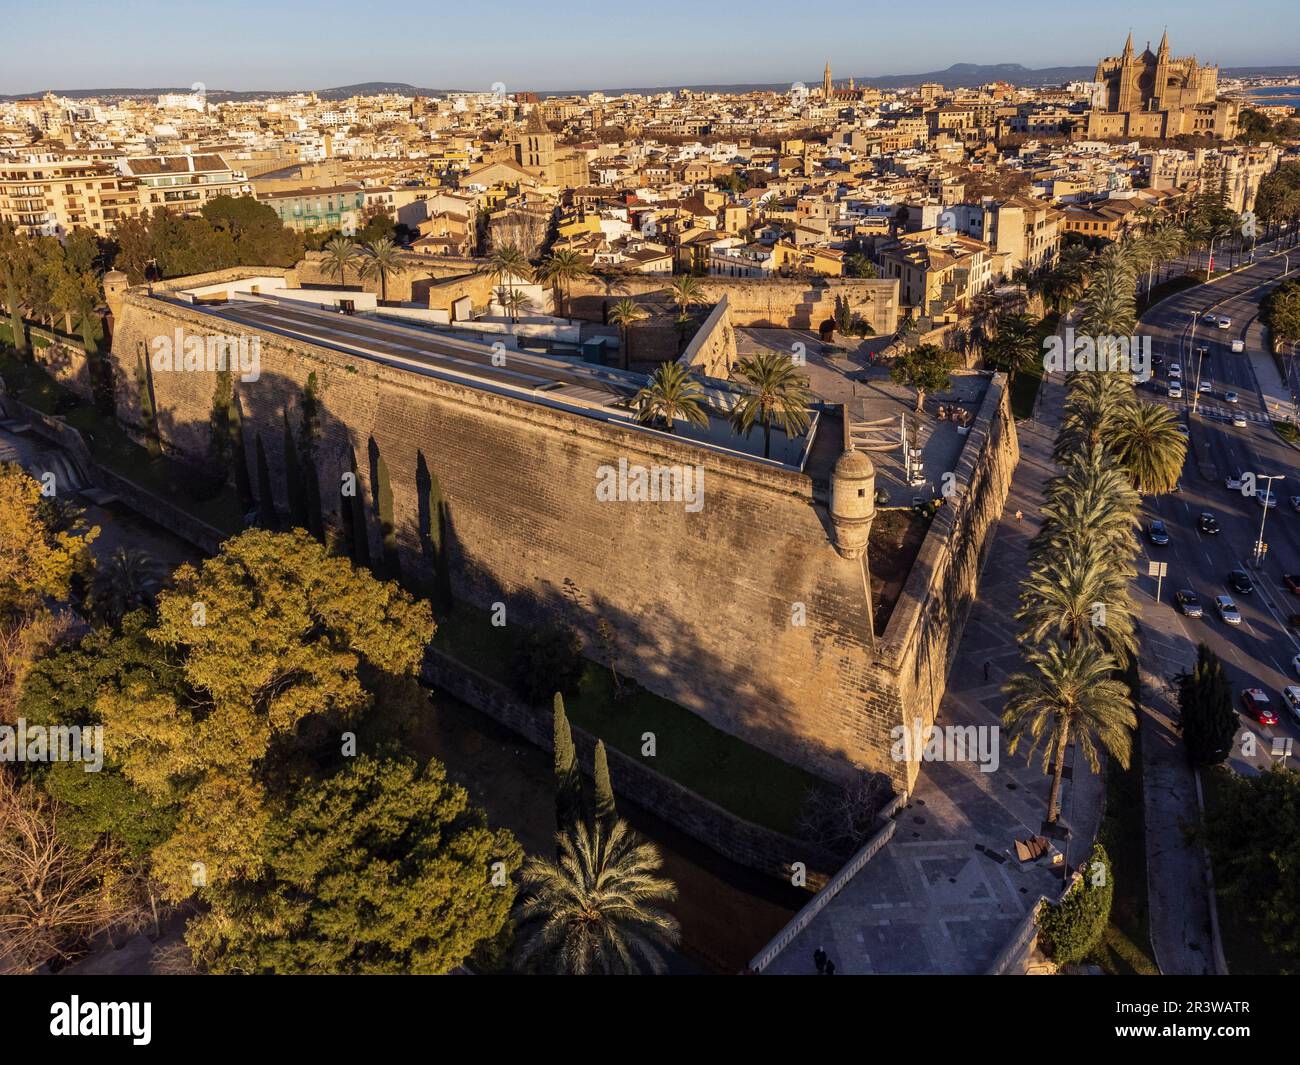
[
  {"x": 723, "y": 769},
  {"x": 1125, "y": 948},
  {"x": 1287, "y": 431}
]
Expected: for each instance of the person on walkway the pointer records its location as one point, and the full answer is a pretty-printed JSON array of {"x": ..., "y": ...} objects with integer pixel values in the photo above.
[
  {"x": 830, "y": 967},
  {"x": 819, "y": 960}
]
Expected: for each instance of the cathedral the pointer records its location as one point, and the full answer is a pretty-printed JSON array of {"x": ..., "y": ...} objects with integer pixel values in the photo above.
[{"x": 1152, "y": 95}]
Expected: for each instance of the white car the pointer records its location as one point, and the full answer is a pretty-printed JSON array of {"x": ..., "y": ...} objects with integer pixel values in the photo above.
[
  {"x": 1175, "y": 390},
  {"x": 1227, "y": 610},
  {"x": 1225, "y": 322},
  {"x": 1238, "y": 346},
  {"x": 1175, "y": 371},
  {"x": 1291, "y": 700},
  {"x": 1238, "y": 420},
  {"x": 1203, "y": 387}
]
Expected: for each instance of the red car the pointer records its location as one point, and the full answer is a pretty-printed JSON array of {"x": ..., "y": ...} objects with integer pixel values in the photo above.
[
  {"x": 1259, "y": 706},
  {"x": 1292, "y": 581}
]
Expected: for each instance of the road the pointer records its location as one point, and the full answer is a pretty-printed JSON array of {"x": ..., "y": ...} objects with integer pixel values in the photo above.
[{"x": 1258, "y": 652}]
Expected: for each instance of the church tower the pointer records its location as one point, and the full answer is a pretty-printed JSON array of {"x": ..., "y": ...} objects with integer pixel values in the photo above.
[
  {"x": 1161, "y": 89},
  {"x": 826, "y": 81},
  {"x": 1128, "y": 78}
]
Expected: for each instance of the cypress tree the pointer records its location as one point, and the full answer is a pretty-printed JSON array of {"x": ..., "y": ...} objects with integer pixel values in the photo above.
[
  {"x": 267, "y": 516},
  {"x": 432, "y": 522},
  {"x": 353, "y": 511},
  {"x": 148, "y": 419},
  {"x": 568, "y": 783},
  {"x": 605, "y": 810},
  {"x": 1209, "y": 722},
  {"x": 383, "y": 491},
  {"x": 308, "y": 434},
  {"x": 296, "y": 485}
]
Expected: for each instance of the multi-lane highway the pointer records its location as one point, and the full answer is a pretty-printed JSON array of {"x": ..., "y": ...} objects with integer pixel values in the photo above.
[{"x": 1260, "y": 651}]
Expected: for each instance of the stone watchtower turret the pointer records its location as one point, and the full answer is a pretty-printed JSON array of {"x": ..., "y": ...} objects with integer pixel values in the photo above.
[
  {"x": 853, "y": 503},
  {"x": 115, "y": 285}
]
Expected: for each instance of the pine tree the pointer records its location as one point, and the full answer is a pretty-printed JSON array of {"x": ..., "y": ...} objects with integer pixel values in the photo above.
[
  {"x": 568, "y": 782},
  {"x": 605, "y": 810}
]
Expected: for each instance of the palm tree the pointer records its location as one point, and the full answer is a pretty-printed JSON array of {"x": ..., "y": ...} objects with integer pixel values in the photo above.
[
  {"x": 623, "y": 314},
  {"x": 1147, "y": 441},
  {"x": 560, "y": 270},
  {"x": 125, "y": 581},
  {"x": 1014, "y": 346},
  {"x": 514, "y": 301},
  {"x": 1091, "y": 500},
  {"x": 597, "y": 909},
  {"x": 381, "y": 258},
  {"x": 340, "y": 254},
  {"x": 686, "y": 290},
  {"x": 1079, "y": 594},
  {"x": 1095, "y": 402},
  {"x": 1069, "y": 693},
  {"x": 1108, "y": 307},
  {"x": 671, "y": 393},
  {"x": 506, "y": 263},
  {"x": 777, "y": 394}
]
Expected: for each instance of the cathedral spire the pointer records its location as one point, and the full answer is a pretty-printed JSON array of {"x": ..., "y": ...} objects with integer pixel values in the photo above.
[
  {"x": 1164, "y": 43},
  {"x": 826, "y": 81},
  {"x": 1128, "y": 46}
]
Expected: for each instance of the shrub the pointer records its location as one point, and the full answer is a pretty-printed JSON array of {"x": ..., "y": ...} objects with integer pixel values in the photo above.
[
  {"x": 547, "y": 661},
  {"x": 1069, "y": 932}
]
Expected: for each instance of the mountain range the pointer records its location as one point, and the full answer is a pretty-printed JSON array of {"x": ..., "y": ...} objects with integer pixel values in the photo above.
[{"x": 959, "y": 75}]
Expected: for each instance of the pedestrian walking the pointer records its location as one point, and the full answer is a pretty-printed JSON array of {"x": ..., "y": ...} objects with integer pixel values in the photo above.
[
  {"x": 830, "y": 967},
  {"x": 819, "y": 960}
]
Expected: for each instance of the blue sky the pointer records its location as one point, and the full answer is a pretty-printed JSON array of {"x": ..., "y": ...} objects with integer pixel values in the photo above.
[{"x": 561, "y": 44}]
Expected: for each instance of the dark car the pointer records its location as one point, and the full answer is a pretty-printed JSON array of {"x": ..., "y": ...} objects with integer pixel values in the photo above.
[
  {"x": 1208, "y": 524},
  {"x": 1292, "y": 581},
  {"x": 1239, "y": 581},
  {"x": 1188, "y": 603},
  {"x": 1157, "y": 533}
]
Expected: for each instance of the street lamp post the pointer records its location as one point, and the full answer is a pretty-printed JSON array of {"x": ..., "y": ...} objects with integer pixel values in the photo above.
[
  {"x": 1196, "y": 395},
  {"x": 1268, "y": 491}
]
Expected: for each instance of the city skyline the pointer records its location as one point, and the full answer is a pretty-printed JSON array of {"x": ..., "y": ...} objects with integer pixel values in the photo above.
[{"x": 157, "y": 52}]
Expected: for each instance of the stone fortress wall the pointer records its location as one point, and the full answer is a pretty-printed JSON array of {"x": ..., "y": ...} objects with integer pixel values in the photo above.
[{"x": 703, "y": 604}]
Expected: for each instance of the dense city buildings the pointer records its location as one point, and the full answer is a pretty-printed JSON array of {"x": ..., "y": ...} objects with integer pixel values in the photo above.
[{"x": 763, "y": 528}]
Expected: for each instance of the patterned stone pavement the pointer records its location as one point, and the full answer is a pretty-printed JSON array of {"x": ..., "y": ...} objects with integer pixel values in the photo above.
[{"x": 946, "y": 894}]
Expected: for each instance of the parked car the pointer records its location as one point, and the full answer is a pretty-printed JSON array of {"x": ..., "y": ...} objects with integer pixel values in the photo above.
[
  {"x": 1208, "y": 523},
  {"x": 1189, "y": 603},
  {"x": 1157, "y": 533},
  {"x": 1291, "y": 700},
  {"x": 1239, "y": 581},
  {"x": 1227, "y": 609},
  {"x": 1259, "y": 706},
  {"x": 1231, "y": 397},
  {"x": 1292, "y": 582}
]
